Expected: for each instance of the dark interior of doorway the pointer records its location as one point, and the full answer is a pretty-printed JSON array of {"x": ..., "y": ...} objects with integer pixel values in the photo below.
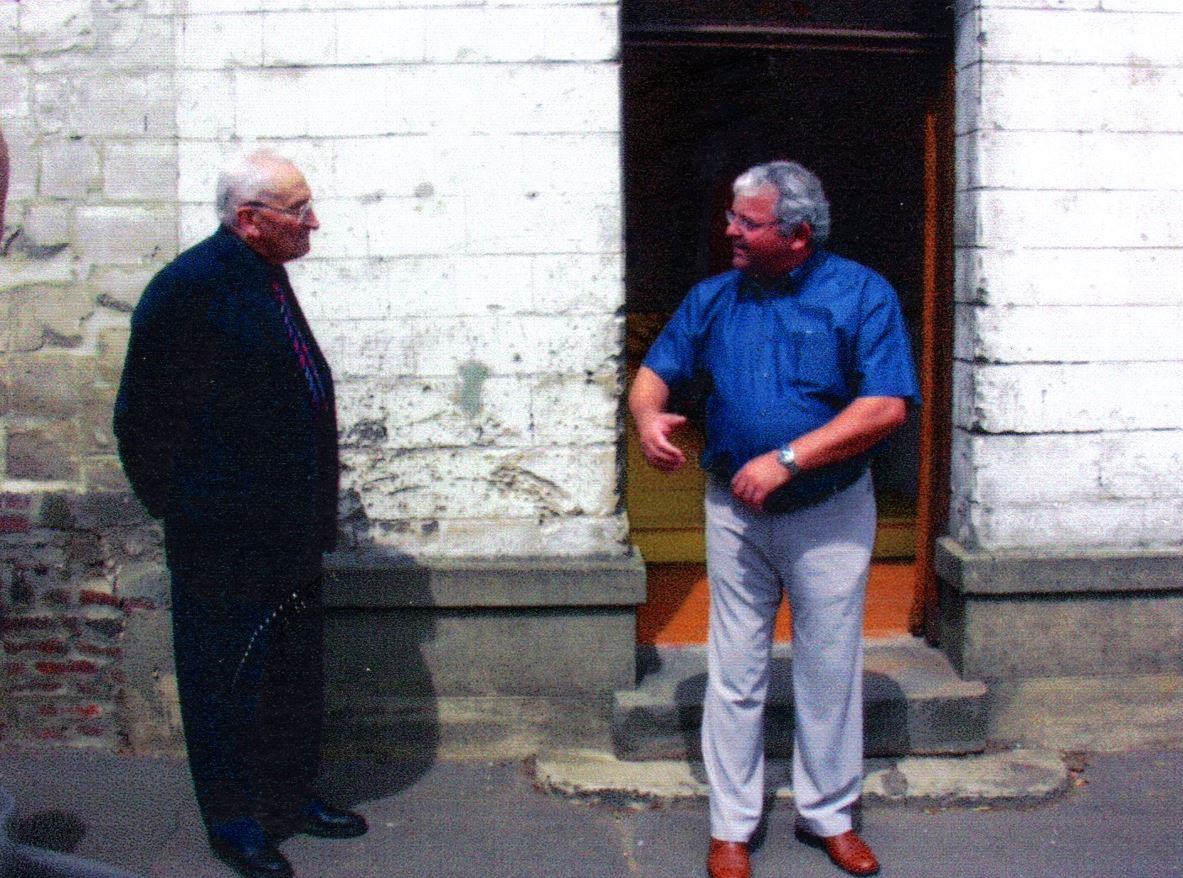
[{"x": 696, "y": 116}]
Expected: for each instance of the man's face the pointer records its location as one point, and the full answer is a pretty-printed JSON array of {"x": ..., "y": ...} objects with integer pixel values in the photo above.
[
  {"x": 757, "y": 245},
  {"x": 272, "y": 226}
]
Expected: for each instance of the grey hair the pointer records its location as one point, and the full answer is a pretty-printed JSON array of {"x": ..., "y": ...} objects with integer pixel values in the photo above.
[
  {"x": 247, "y": 177},
  {"x": 801, "y": 197}
]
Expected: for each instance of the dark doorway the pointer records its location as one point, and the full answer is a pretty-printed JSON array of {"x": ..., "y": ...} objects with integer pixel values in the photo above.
[{"x": 706, "y": 96}]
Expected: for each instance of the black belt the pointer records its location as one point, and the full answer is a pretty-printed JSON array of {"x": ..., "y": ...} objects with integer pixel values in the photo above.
[{"x": 790, "y": 503}]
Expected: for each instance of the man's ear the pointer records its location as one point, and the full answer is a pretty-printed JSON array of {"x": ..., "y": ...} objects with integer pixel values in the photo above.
[
  {"x": 245, "y": 226},
  {"x": 802, "y": 237}
]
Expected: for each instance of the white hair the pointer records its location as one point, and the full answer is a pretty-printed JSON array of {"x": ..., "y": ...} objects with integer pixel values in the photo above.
[
  {"x": 801, "y": 197},
  {"x": 247, "y": 177}
]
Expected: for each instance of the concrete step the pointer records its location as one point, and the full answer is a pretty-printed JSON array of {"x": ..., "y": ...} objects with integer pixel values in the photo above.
[
  {"x": 915, "y": 704},
  {"x": 1014, "y": 777}
]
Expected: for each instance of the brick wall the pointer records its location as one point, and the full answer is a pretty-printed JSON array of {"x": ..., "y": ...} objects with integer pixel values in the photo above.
[
  {"x": 87, "y": 108},
  {"x": 78, "y": 572},
  {"x": 1068, "y": 397}
]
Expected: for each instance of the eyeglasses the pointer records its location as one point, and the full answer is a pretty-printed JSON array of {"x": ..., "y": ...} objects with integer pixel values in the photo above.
[
  {"x": 301, "y": 213},
  {"x": 746, "y": 224}
]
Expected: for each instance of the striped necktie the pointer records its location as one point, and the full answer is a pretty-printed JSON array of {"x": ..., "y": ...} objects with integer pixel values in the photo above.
[{"x": 299, "y": 346}]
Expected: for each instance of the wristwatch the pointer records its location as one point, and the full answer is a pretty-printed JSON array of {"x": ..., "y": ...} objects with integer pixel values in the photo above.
[{"x": 788, "y": 460}]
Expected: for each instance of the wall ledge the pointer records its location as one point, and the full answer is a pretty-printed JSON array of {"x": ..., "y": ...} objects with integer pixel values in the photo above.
[
  {"x": 387, "y": 580},
  {"x": 975, "y": 571}
]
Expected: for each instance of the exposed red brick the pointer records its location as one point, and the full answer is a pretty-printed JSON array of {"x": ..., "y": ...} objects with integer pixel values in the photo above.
[
  {"x": 49, "y": 734},
  {"x": 47, "y": 709},
  {"x": 91, "y": 730},
  {"x": 84, "y": 711},
  {"x": 13, "y": 669},
  {"x": 138, "y": 604},
  {"x": 14, "y": 524},
  {"x": 76, "y": 666},
  {"x": 29, "y": 623},
  {"x": 18, "y": 502},
  {"x": 94, "y": 649},
  {"x": 52, "y": 647},
  {"x": 100, "y": 598}
]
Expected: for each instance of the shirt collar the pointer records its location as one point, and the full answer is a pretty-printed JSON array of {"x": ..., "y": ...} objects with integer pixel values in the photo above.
[{"x": 786, "y": 284}]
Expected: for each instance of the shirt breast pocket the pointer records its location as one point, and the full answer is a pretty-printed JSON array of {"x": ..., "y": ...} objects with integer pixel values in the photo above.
[{"x": 817, "y": 363}]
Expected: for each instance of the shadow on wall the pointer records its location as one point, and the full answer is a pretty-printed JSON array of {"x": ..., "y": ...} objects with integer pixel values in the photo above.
[{"x": 382, "y": 715}]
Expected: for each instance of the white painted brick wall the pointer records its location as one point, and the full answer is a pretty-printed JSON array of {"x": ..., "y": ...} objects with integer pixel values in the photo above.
[
  {"x": 1070, "y": 526},
  {"x": 1070, "y": 251},
  {"x": 1067, "y": 397},
  {"x": 442, "y": 483},
  {"x": 117, "y": 234},
  {"x": 465, "y": 161},
  {"x": 1069, "y": 334},
  {"x": 1075, "y": 160},
  {"x": 69, "y": 168},
  {"x": 1067, "y": 467},
  {"x": 87, "y": 105},
  {"x": 140, "y": 170},
  {"x": 1131, "y": 276}
]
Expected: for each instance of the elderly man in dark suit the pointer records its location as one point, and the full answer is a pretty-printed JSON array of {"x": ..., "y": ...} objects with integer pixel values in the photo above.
[{"x": 227, "y": 431}]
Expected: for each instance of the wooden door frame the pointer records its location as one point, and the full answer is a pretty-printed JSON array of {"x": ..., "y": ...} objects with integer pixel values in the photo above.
[{"x": 936, "y": 356}]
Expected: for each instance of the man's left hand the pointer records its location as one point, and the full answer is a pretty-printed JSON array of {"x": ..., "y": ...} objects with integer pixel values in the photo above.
[{"x": 758, "y": 478}]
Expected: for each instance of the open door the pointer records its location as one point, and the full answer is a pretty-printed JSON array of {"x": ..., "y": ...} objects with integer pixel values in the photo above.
[{"x": 713, "y": 88}]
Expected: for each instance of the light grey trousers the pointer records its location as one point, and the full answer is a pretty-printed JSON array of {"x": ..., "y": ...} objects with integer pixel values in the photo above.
[{"x": 819, "y": 556}]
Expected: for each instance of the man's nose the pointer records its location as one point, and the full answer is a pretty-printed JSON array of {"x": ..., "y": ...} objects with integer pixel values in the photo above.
[{"x": 312, "y": 221}]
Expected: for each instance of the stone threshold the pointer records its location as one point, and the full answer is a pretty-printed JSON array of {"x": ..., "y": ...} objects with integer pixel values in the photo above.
[{"x": 1014, "y": 777}]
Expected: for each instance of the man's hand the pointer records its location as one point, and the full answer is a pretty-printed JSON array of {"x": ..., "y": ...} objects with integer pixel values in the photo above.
[
  {"x": 647, "y": 401},
  {"x": 655, "y": 431},
  {"x": 758, "y": 478}
]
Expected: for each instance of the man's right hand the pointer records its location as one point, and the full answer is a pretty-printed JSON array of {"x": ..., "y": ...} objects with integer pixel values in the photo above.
[{"x": 655, "y": 431}]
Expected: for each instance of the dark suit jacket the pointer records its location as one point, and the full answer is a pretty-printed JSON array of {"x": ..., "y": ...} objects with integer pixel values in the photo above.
[{"x": 215, "y": 424}]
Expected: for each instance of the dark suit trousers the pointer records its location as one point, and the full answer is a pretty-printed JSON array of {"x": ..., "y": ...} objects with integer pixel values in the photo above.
[{"x": 250, "y": 683}]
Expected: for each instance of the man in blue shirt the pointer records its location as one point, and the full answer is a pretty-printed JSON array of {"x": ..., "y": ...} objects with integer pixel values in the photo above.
[{"x": 809, "y": 369}]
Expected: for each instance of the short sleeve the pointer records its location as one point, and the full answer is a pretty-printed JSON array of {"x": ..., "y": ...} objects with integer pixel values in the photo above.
[
  {"x": 883, "y": 351},
  {"x": 675, "y": 353}
]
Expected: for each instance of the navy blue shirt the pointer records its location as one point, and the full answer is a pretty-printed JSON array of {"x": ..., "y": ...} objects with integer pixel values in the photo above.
[{"x": 781, "y": 361}]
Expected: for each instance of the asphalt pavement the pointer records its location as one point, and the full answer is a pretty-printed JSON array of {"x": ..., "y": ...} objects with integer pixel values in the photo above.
[{"x": 1116, "y": 814}]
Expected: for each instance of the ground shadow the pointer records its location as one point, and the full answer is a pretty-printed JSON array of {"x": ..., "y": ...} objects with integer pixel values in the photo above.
[
  {"x": 381, "y": 710},
  {"x": 53, "y": 830}
]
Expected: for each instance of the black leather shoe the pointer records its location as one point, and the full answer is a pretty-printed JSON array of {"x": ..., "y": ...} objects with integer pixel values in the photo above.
[
  {"x": 252, "y": 860},
  {"x": 325, "y": 821}
]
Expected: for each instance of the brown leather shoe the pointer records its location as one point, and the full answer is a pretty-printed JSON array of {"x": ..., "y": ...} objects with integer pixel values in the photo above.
[
  {"x": 728, "y": 859},
  {"x": 847, "y": 851}
]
